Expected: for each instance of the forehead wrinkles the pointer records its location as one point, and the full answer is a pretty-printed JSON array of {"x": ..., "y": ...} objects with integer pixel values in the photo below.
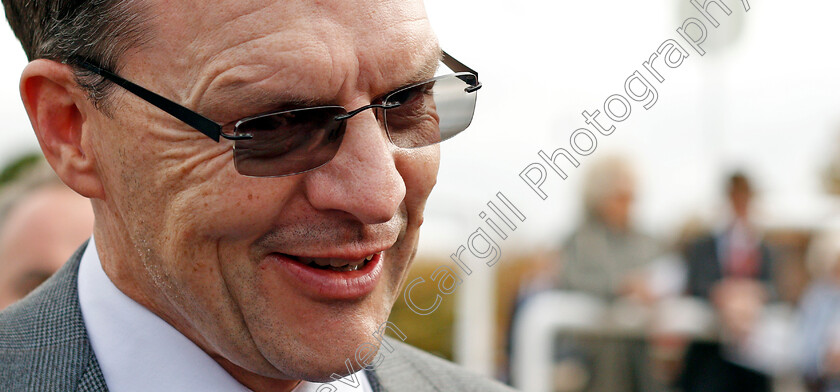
[
  {"x": 393, "y": 44},
  {"x": 321, "y": 62},
  {"x": 192, "y": 34},
  {"x": 272, "y": 73},
  {"x": 282, "y": 61},
  {"x": 354, "y": 46},
  {"x": 403, "y": 53}
]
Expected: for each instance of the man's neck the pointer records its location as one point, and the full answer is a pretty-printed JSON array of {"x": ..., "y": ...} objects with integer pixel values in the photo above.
[{"x": 256, "y": 382}]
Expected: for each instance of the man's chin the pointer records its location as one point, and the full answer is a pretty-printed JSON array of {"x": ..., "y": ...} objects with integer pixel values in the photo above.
[
  {"x": 325, "y": 356},
  {"x": 327, "y": 367}
]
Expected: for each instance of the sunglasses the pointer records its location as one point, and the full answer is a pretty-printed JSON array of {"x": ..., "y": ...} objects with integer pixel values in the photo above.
[{"x": 289, "y": 142}]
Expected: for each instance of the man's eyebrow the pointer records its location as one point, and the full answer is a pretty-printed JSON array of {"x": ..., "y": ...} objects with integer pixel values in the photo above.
[
  {"x": 263, "y": 101},
  {"x": 426, "y": 70},
  {"x": 429, "y": 67},
  {"x": 268, "y": 100},
  {"x": 282, "y": 102}
]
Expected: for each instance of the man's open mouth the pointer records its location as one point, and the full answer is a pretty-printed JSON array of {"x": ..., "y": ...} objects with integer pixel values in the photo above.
[
  {"x": 333, "y": 264},
  {"x": 329, "y": 278}
]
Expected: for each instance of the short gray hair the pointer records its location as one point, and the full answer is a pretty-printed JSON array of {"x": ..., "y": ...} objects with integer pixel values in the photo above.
[
  {"x": 605, "y": 178},
  {"x": 97, "y": 30}
]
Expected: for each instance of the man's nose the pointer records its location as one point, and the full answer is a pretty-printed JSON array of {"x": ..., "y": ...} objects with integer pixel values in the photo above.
[{"x": 362, "y": 179}]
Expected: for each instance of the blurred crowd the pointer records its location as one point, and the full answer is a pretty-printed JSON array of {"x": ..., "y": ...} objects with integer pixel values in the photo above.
[{"x": 711, "y": 309}]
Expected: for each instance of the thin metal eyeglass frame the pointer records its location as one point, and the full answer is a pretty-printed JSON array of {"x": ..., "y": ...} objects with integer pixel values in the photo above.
[{"x": 212, "y": 129}]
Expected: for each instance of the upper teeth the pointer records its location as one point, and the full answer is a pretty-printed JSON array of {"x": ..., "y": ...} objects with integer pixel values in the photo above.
[{"x": 339, "y": 264}]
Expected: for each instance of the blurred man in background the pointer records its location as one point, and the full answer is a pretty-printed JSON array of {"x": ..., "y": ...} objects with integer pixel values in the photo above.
[
  {"x": 607, "y": 257},
  {"x": 42, "y": 222},
  {"x": 733, "y": 270},
  {"x": 819, "y": 321}
]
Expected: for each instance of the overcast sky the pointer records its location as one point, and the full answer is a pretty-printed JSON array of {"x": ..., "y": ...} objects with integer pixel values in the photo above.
[{"x": 766, "y": 97}]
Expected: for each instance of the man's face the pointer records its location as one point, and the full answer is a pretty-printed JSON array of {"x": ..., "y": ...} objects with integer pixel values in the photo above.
[
  {"x": 37, "y": 237},
  {"x": 221, "y": 256},
  {"x": 739, "y": 198}
]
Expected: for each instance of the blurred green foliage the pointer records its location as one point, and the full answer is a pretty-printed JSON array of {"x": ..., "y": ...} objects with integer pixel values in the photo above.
[
  {"x": 432, "y": 333},
  {"x": 14, "y": 169}
]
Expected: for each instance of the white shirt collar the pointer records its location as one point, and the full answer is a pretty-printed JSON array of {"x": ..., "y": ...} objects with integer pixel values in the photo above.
[{"x": 138, "y": 351}]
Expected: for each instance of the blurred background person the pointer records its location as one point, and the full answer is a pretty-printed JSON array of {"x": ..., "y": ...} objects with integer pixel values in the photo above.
[
  {"x": 42, "y": 222},
  {"x": 733, "y": 270},
  {"x": 608, "y": 258},
  {"x": 819, "y": 317}
]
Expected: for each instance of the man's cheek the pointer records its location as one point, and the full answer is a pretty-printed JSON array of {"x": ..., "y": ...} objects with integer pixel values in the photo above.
[{"x": 419, "y": 169}]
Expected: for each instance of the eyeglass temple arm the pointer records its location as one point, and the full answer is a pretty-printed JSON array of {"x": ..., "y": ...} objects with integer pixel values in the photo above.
[
  {"x": 191, "y": 118},
  {"x": 458, "y": 66}
]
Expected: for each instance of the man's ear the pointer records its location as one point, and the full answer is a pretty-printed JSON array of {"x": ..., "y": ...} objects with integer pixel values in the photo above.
[{"x": 58, "y": 108}]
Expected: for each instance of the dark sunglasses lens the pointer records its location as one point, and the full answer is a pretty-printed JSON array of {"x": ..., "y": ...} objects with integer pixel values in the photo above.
[
  {"x": 288, "y": 142},
  {"x": 431, "y": 112}
]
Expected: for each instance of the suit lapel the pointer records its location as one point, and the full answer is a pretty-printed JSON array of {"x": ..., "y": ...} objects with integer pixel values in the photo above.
[
  {"x": 373, "y": 379},
  {"x": 92, "y": 379},
  {"x": 400, "y": 371}
]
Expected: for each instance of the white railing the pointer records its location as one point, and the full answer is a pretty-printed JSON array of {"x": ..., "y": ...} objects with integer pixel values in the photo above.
[{"x": 545, "y": 315}]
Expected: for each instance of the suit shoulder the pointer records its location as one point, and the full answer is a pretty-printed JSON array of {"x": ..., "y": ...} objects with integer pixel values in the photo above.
[
  {"x": 43, "y": 340},
  {"x": 407, "y": 365},
  {"x": 48, "y": 316},
  {"x": 704, "y": 241},
  {"x": 43, "y": 318}
]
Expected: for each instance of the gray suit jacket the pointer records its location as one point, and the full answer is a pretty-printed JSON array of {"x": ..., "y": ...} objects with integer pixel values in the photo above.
[{"x": 44, "y": 347}]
